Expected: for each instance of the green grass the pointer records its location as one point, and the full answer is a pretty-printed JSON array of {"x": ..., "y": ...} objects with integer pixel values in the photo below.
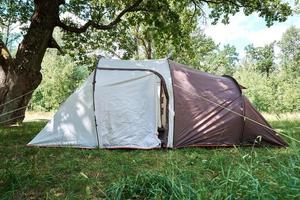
[{"x": 191, "y": 173}]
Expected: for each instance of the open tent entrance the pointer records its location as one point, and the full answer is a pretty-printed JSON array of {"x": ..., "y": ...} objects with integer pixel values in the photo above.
[{"x": 130, "y": 108}]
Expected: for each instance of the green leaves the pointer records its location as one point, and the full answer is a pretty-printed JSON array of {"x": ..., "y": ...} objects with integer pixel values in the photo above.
[
  {"x": 157, "y": 29},
  {"x": 273, "y": 85},
  {"x": 15, "y": 11},
  {"x": 290, "y": 51},
  {"x": 270, "y": 10},
  {"x": 262, "y": 58},
  {"x": 61, "y": 78},
  {"x": 152, "y": 32},
  {"x": 153, "y": 29}
]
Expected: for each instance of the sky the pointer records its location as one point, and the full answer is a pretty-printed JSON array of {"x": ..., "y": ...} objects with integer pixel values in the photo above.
[{"x": 243, "y": 30}]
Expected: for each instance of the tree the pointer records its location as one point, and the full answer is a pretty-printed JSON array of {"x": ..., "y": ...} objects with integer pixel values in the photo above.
[
  {"x": 61, "y": 77},
  {"x": 290, "y": 51},
  {"x": 296, "y": 6},
  {"x": 220, "y": 61},
  {"x": 140, "y": 35},
  {"x": 11, "y": 13},
  {"x": 262, "y": 58},
  {"x": 20, "y": 75}
]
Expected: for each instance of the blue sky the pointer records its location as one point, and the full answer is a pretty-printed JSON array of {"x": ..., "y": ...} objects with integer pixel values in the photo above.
[{"x": 244, "y": 30}]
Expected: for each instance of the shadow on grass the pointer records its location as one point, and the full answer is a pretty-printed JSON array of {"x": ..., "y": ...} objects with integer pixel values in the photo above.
[{"x": 20, "y": 135}]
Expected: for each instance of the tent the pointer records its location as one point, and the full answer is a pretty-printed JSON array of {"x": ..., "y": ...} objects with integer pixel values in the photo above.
[{"x": 154, "y": 104}]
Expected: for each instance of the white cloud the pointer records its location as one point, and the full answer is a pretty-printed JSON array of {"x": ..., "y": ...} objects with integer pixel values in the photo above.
[
  {"x": 225, "y": 33},
  {"x": 243, "y": 30}
]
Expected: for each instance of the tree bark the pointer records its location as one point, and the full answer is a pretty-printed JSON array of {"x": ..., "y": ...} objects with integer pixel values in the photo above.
[
  {"x": 20, "y": 76},
  {"x": 5, "y": 61}
]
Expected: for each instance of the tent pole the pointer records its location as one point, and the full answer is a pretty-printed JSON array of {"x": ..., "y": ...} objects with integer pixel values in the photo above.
[{"x": 96, "y": 125}]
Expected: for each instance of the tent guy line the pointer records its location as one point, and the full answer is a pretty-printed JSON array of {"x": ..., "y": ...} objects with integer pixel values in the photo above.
[
  {"x": 20, "y": 108},
  {"x": 12, "y": 119},
  {"x": 230, "y": 110},
  {"x": 27, "y": 93}
]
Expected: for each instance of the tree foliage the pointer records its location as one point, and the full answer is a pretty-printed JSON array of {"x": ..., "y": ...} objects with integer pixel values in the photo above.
[
  {"x": 271, "y": 11},
  {"x": 262, "y": 58},
  {"x": 15, "y": 11},
  {"x": 276, "y": 91},
  {"x": 162, "y": 31},
  {"x": 290, "y": 51},
  {"x": 12, "y": 14},
  {"x": 221, "y": 61},
  {"x": 159, "y": 29},
  {"x": 61, "y": 78}
]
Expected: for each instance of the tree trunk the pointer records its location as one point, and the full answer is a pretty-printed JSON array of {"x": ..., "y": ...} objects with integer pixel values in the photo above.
[
  {"x": 21, "y": 75},
  {"x": 5, "y": 63}
]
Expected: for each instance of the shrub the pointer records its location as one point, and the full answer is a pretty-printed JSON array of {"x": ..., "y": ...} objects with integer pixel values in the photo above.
[
  {"x": 61, "y": 77},
  {"x": 277, "y": 93}
]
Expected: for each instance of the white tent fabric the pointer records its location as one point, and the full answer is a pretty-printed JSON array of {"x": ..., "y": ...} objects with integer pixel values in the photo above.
[
  {"x": 159, "y": 66},
  {"x": 126, "y": 109},
  {"x": 126, "y": 112},
  {"x": 74, "y": 123}
]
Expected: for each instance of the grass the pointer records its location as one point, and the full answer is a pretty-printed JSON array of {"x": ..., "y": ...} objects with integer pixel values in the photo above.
[{"x": 191, "y": 173}]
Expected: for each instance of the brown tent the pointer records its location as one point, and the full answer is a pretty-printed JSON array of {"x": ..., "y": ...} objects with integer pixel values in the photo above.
[
  {"x": 212, "y": 111},
  {"x": 156, "y": 103}
]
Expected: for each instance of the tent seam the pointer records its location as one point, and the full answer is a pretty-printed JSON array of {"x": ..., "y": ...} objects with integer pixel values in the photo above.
[
  {"x": 96, "y": 126},
  {"x": 174, "y": 109},
  {"x": 244, "y": 121}
]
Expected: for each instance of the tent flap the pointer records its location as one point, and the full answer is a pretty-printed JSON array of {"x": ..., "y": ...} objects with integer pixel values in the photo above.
[{"x": 126, "y": 109}]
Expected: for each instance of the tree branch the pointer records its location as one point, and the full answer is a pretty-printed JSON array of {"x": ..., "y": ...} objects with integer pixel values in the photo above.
[
  {"x": 221, "y": 2},
  {"x": 53, "y": 44},
  {"x": 90, "y": 23}
]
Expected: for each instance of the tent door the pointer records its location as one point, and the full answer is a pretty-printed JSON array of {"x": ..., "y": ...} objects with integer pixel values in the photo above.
[{"x": 127, "y": 108}]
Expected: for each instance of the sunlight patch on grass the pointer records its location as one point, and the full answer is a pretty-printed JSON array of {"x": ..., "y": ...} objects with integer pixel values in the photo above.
[
  {"x": 37, "y": 116},
  {"x": 282, "y": 116}
]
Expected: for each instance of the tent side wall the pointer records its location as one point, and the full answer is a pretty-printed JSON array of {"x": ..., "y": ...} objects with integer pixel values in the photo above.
[
  {"x": 74, "y": 123},
  {"x": 200, "y": 118},
  {"x": 210, "y": 111},
  {"x": 256, "y": 128}
]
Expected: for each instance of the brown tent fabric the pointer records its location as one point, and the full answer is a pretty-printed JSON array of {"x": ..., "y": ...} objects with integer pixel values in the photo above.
[
  {"x": 252, "y": 130},
  {"x": 209, "y": 111}
]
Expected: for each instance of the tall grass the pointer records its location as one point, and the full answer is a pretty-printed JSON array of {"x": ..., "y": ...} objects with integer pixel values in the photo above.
[
  {"x": 191, "y": 173},
  {"x": 150, "y": 185}
]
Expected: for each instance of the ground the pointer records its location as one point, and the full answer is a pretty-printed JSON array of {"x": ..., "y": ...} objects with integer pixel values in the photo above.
[{"x": 190, "y": 173}]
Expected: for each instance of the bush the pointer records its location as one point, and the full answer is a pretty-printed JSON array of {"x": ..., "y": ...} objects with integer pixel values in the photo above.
[
  {"x": 277, "y": 93},
  {"x": 61, "y": 77}
]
